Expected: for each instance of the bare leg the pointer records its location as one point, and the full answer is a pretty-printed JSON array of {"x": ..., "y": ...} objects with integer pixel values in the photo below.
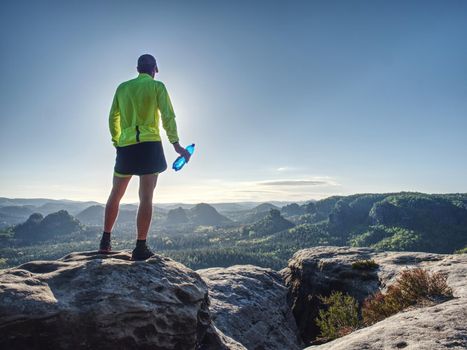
[
  {"x": 111, "y": 209},
  {"x": 147, "y": 184}
]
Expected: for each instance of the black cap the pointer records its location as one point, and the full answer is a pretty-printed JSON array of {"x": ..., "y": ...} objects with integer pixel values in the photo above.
[{"x": 146, "y": 62}]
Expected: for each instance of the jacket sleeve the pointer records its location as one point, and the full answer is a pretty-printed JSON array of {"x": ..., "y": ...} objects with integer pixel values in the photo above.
[
  {"x": 114, "y": 121},
  {"x": 167, "y": 113}
]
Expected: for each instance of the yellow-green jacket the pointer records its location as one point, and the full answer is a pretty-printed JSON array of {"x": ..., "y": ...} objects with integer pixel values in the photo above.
[{"x": 135, "y": 111}]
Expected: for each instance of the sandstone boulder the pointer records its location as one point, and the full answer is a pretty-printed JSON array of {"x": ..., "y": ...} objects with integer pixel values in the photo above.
[
  {"x": 249, "y": 304},
  {"x": 93, "y": 301}
]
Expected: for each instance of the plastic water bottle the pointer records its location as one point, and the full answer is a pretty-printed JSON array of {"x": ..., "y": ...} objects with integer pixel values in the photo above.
[{"x": 181, "y": 161}]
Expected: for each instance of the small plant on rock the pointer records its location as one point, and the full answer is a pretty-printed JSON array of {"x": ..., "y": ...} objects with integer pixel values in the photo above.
[
  {"x": 413, "y": 286},
  {"x": 339, "y": 318}
]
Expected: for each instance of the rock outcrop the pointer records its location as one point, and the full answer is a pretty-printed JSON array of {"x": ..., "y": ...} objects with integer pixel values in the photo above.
[
  {"x": 205, "y": 214},
  {"x": 320, "y": 270},
  {"x": 92, "y": 215},
  {"x": 93, "y": 301},
  {"x": 273, "y": 222},
  {"x": 176, "y": 216},
  {"x": 249, "y": 304},
  {"x": 38, "y": 228}
]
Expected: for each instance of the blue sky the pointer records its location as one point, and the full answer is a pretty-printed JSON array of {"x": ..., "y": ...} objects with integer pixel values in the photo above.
[{"x": 285, "y": 100}]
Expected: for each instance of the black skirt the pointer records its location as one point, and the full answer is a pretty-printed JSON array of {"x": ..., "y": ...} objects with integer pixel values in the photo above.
[{"x": 140, "y": 159}]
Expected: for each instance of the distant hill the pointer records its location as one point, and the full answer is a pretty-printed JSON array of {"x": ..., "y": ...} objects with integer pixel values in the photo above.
[
  {"x": 252, "y": 215},
  {"x": 177, "y": 216},
  {"x": 292, "y": 209},
  {"x": 15, "y": 210},
  {"x": 23, "y": 201},
  {"x": 15, "y": 214},
  {"x": 386, "y": 221},
  {"x": 393, "y": 221},
  {"x": 226, "y": 207},
  {"x": 223, "y": 207},
  {"x": 273, "y": 222},
  {"x": 128, "y": 206},
  {"x": 4, "y": 221},
  {"x": 232, "y": 210},
  {"x": 205, "y": 214},
  {"x": 264, "y": 207},
  {"x": 200, "y": 214},
  {"x": 127, "y": 216},
  {"x": 169, "y": 206},
  {"x": 37, "y": 227},
  {"x": 93, "y": 215},
  {"x": 70, "y": 206},
  {"x": 47, "y": 206}
]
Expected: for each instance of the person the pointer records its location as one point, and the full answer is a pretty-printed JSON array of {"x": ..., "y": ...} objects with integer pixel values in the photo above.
[{"x": 134, "y": 126}]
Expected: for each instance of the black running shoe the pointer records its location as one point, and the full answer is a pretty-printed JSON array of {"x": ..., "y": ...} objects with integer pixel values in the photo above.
[
  {"x": 105, "y": 247},
  {"x": 141, "y": 253}
]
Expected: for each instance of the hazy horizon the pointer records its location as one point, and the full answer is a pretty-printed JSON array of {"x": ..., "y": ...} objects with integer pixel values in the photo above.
[
  {"x": 224, "y": 202},
  {"x": 155, "y": 202},
  {"x": 284, "y": 101}
]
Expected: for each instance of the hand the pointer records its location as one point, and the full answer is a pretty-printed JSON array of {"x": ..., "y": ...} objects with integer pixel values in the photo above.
[{"x": 182, "y": 151}]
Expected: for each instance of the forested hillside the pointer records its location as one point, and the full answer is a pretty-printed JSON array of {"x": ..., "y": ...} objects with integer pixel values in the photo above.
[{"x": 202, "y": 237}]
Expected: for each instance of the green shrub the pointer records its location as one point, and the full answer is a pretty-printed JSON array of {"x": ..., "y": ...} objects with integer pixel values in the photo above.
[
  {"x": 380, "y": 306},
  {"x": 340, "y": 316},
  {"x": 418, "y": 284},
  {"x": 365, "y": 264},
  {"x": 461, "y": 251},
  {"x": 413, "y": 286}
]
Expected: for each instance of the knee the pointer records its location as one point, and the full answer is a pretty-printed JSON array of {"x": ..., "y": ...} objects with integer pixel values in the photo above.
[
  {"x": 145, "y": 197},
  {"x": 145, "y": 200},
  {"x": 114, "y": 198}
]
